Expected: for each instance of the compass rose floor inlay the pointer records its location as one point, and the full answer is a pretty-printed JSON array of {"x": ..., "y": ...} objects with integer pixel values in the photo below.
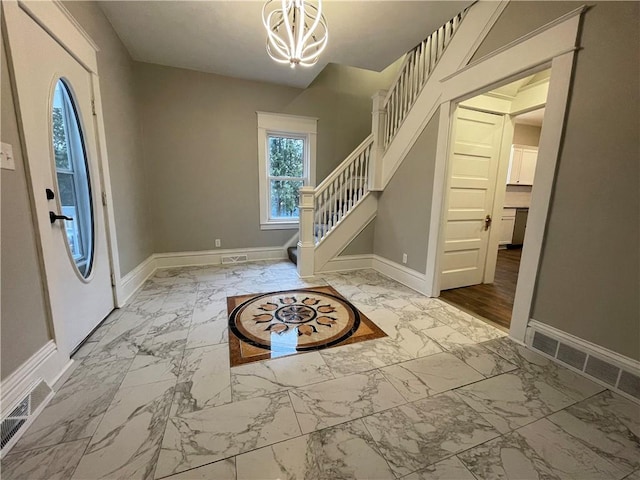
[{"x": 276, "y": 324}]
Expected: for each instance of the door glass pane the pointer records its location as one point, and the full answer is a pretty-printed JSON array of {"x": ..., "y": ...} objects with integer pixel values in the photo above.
[
  {"x": 284, "y": 198},
  {"x": 286, "y": 156},
  {"x": 74, "y": 188}
]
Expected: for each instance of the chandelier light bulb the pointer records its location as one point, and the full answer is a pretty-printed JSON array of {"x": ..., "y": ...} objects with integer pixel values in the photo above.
[{"x": 296, "y": 32}]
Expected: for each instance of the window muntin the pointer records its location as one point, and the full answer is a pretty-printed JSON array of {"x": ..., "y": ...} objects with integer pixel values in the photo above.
[{"x": 72, "y": 175}]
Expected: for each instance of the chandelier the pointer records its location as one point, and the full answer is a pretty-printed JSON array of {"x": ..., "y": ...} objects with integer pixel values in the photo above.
[{"x": 296, "y": 32}]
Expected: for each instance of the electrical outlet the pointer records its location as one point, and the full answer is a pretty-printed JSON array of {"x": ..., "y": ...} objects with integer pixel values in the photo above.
[
  {"x": 6, "y": 157},
  {"x": 404, "y": 258},
  {"x": 218, "y": 243}
]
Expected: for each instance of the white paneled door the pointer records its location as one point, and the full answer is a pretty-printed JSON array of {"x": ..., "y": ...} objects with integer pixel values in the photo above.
[
  {"x": 473, "y": 167},
  {"x": 54, "y": 93}
]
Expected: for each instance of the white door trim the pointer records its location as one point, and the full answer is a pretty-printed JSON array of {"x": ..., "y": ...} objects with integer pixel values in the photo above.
[
  {"x": 551, "y": 45},
  {"x": 56, "y": 20}
]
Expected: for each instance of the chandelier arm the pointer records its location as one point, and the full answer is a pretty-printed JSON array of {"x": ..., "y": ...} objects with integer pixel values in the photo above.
[
  {"x": 318, "y": 46},
  {"x": 316, "y": 20},
  {"x": 287, "y": 5},
  {"x": 299, "y": 25},
  {"x": 279, "y": 44}
]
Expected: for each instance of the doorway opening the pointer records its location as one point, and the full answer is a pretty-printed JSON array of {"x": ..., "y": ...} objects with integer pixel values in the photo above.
[{"x": 492, "y": 164}]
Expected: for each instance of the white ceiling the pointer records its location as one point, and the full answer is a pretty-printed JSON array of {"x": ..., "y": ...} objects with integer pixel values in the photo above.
[{"x": 228, "y": 38}]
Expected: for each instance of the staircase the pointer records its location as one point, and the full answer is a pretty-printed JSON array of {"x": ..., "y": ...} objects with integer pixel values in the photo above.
[{"x": 336, "y": 211}]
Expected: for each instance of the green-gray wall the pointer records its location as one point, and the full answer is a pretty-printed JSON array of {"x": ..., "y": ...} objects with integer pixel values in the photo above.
[
  {"x": 23, "y": 316},
  {"x": 588, "y": 283},
  {"x": 201, "y": 152},
  {"x": 404, "y": 207}
]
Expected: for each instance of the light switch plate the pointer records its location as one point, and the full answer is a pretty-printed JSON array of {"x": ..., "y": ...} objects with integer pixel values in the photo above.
[{"x": 6, "y": 157}]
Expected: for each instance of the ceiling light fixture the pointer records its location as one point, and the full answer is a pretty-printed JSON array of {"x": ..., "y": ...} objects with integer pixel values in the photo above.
[{"x": 296, "y": 32}]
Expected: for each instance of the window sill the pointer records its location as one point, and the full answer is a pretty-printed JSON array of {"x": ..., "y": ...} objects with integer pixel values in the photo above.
[{"x": 280, "y": 225}]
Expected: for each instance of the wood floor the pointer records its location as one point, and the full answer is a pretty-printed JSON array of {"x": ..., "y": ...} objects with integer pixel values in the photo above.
[{"x": 491, "y": 301}]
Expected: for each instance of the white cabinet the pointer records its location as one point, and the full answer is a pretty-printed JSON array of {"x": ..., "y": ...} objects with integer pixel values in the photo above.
[
  {"x": 522, "y": 165},
  {"x": 507, "y": 223}
]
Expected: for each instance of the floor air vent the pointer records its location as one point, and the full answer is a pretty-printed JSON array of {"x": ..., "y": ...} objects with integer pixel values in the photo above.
[
  {"x": 19, "y": 416},
  {"x": 234, "y": 259},
  {"x": 604, "y": 370}
]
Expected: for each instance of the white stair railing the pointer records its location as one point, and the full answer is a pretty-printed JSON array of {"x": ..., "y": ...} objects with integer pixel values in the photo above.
[
  {"x": 341, "y": 191},
  {"x": 415, "y": 70}
]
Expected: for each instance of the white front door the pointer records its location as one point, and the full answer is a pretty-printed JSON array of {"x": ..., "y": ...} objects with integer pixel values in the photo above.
[
  {"x": 473, "y": 167},
  {"x": 54, "y": 93}
]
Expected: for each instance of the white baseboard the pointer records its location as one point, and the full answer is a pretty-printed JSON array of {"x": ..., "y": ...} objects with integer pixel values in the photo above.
[
  {"x": 625, "y": 364},
  {"x": 46, "y": 364},
  {"x": 348, "y": 262},
  {"x": 410, "y": 278},
  {"x": 214, "y": 257},
  {"x": 132, "y": 281}
]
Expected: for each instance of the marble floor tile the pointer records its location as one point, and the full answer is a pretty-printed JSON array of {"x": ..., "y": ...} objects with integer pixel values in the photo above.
[
  {"x": 570, "y": 383},
  {"x": 364, "y": 356},
  {"x": 447, "y": 338},
  {"x": 261, "y": 378},
  {"x": 49, "y": 463},
  {"x": 167, "y": 335},
  {"x": 212, "y": 434},
  {"x": 427, "y": 376},
  {"x": 77, "y": 408},
  {"x": 466, "y": 324},
  {"x": 483, "y": 360},
  {"x": 151, "y": 366},
  {"x": 514, "y": 399},
  {"x": 539, "y": 450},
  {"x": 84, "y": 351},
  {"x": 122, "y": 340},
  {"x": 213, "y": 332},
  {"x": 346, "y": 451},
  {"x": 421, "y": 433},
  {"x": 204, "y": 380},
  {"x": 406, "y": 328},
  {"x": 336, "y": 401},
  {"x": 608, "y": 424},
  {"x": 450, "y": 469},
  {"x": 127, "y": 441},
  {"x": 221, "y": 470}
]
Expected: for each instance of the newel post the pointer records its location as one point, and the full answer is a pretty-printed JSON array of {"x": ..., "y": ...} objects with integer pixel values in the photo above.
[
  {"x": 306, "y": 244},
  {"x": 378, "y": 120}
]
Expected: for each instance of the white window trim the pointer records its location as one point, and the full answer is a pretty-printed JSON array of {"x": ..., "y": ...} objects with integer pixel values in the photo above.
[{"x": 281, "y": 124}]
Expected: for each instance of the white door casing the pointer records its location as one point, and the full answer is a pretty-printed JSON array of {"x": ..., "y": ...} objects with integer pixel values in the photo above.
[
  {"x": 471, "y": 184},
  {"x": 77, "y": 305}
]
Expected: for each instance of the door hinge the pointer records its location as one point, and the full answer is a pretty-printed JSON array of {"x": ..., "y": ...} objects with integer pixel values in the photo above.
[
  {"x": 113, "y": 280},
  {"x": 104, "y": 198},
  {"x": 93, "y": 106}
]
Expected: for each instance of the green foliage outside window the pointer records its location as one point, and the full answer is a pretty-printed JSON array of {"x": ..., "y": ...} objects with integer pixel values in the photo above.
[{"x": 286, "y": 159}]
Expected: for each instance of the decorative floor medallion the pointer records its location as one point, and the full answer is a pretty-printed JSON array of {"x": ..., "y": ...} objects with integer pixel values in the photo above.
[{"x": 276, "y": 324}]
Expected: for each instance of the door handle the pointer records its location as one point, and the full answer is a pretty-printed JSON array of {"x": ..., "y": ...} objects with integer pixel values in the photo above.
[
  {"x": 487, "y": 222},
  {"x": 54, "y": 216}
]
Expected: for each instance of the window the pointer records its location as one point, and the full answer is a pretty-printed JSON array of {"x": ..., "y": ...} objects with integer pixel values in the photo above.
[
  {"x": 286, "y": 154},
  {"x": 72, "y": 174}
]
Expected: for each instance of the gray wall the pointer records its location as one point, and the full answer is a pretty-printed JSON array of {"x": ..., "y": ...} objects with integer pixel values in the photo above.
[
  {"x": 23, "y": 316},
  {"x": 122, "y": 129},
  {"x": 200, "y": 147},
  {"x": 201, "y": 153},
  {"x": 526, "y": 135},
  {"x": 404, "y": 208},
  {"x": 363, "y": 243},
  {"x": 588, "y": 282}
]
